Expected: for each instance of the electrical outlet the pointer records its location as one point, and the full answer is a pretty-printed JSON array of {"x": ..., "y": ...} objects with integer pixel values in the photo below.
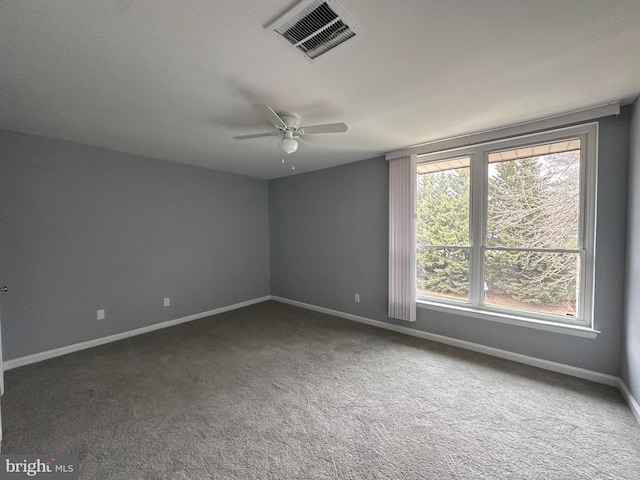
[
  {"x": 356, "y": 297},
  {"x": 100, "y": 315},
  {"x": 167, "y": 301}
]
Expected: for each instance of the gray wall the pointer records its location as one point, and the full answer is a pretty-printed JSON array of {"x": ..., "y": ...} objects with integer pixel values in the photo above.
[
  {"x": 84, "y": 228},
  {"x": 329, "y": 237},
  {"x": 329, "y": 240},
  {"x": 631, "y": 347}
]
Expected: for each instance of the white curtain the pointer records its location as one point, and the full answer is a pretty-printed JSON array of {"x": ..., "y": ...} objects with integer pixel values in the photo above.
[{"x": 402, "y": 238}]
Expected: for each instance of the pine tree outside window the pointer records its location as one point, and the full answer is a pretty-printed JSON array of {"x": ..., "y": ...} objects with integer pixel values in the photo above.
[{"x": 507, "y": 228}]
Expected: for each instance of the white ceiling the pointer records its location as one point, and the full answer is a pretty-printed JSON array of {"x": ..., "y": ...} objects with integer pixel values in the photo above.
[{"x": 175, "y": 79}]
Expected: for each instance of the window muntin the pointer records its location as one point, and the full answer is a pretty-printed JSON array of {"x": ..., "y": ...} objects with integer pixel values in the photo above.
[{"x": 531, "y": 225}]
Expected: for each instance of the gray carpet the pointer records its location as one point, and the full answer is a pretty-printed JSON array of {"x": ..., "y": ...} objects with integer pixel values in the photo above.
[{"x": 276, "y": 392}]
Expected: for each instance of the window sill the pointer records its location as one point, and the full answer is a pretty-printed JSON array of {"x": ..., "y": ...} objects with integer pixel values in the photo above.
[{"x": 575, "y": 330}]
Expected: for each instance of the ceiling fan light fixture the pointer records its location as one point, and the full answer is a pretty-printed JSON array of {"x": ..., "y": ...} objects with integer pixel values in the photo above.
[{"x": 288, "y": 144}]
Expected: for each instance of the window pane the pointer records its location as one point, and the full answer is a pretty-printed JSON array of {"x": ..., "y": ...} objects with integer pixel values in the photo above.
[
  {"x": 443, "y": 202},
  {"x": 533, "y": 196},
  {"x": 443, "y": 272},
  {"x": 540, "y": 282}
]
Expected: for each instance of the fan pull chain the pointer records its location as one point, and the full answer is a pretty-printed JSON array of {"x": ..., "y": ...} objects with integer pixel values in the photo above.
[{"x": 293, "y": 167}]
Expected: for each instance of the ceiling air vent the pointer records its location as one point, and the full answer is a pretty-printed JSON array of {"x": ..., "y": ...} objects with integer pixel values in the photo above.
[{"x": 314, "y": 27}]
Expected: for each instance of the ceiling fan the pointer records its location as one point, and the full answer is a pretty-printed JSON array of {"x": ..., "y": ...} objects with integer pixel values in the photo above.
[{"x": 289, "y": 128}]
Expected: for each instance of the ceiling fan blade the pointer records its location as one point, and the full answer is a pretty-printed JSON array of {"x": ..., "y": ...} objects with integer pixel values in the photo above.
[
  {"x": 326, "y": 128},
  {"x": 269, "y": 115},
  {"x": 302, "y": 145},
  {"x": 258, "y": 135}
]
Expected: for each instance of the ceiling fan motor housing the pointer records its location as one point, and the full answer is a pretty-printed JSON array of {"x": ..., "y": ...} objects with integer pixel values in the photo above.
[{"x": 291, "y": 120}]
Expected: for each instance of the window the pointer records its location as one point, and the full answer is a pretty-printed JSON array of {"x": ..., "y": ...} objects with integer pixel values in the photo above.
[{"x": 507, "y": 228}]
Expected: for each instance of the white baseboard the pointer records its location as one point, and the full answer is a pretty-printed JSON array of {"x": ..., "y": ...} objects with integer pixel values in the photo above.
[
  {"x": 56, "y": 352},
  {"x": 476, "y": 347},
  {"x": 632, "y": 402}
]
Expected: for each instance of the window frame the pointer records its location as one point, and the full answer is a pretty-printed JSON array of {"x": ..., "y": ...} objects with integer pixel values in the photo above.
[{"x": 583, "y": 324}]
